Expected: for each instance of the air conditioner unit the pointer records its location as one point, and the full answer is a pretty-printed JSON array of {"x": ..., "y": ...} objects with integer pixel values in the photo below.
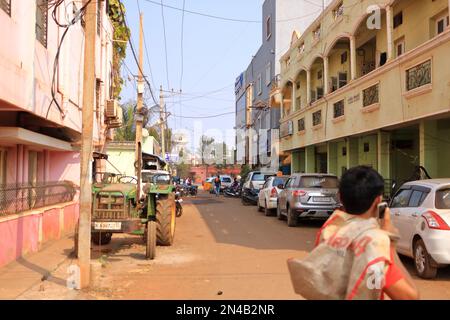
[{"x": 112, "y": 106}]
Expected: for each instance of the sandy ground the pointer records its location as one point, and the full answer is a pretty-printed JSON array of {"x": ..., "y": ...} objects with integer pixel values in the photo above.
[{"x": 222, "y": 250}]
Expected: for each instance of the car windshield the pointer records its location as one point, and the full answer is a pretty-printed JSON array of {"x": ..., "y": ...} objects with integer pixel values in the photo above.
[
  {"x": 261, "y": 176},
  {"x": 226, "y": 180},
  {"x": 443, "y": 199},
  {"x": 318, "y": 182},
  {"x": 278, "y": 181}
]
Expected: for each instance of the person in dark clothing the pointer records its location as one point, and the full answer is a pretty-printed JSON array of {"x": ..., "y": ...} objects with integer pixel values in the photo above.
[{"x": 217, "y": 184}]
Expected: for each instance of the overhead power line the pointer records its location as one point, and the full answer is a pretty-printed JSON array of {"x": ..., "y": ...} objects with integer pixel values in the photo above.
[
  {"x": 204, "y": 117},
  {"x": 225, "y": 18}
]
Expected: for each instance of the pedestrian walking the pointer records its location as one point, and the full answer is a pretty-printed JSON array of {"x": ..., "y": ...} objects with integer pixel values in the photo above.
[
  {"x": 217, "y": 184},
  {"x": 355, "y": 255}
]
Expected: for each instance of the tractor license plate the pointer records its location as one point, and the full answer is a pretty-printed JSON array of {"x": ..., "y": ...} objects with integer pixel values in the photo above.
[{"x": 108, "y": 225}]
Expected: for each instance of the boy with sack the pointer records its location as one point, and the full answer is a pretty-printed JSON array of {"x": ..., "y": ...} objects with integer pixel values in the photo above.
[{"x": 355, "y": 256}]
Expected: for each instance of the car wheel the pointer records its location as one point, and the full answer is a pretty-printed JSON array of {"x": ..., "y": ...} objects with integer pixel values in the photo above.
[
  {"x": 279, "y": 214},
  {"x": 292, "y": 218},
  {"x": 267, "y": 211},
  {"x": 422, "y": 261}
]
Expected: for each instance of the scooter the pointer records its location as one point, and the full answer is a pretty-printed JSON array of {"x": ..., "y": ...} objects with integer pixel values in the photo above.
[{"x": 233, "y": 191}]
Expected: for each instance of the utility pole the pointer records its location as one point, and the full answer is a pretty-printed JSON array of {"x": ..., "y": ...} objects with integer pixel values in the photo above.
[
  {"x": 84, "y": 229},
  {"x": 139, "y": 116},
  {"x": 162, "y": 107}
]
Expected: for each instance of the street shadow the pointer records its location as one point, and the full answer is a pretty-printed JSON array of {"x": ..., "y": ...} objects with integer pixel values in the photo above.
[
  {"x": 230, "y": 222},
  {"x": 46, "y": 275}
]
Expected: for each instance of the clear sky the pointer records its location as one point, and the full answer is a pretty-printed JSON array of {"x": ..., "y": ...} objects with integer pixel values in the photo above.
[{"x": 215, "y": 52}]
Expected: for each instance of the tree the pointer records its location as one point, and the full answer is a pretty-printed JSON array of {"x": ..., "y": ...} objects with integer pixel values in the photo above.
[
  {"x": 127, "y": 132},
  {"x": 121, "y": 32},
  {"x": 205, "y": 142}
]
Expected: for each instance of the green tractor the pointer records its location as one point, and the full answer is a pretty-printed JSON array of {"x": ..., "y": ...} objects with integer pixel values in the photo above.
[{"x": 116, "y": 209}]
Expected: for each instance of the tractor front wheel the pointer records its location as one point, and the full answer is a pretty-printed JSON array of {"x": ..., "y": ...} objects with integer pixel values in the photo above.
[
  {"x": 150, "y": 250},
  {"x": 165, "y": 220}
]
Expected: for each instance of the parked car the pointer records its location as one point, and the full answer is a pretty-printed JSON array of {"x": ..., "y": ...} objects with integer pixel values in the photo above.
[
  {"x": 268, "y": 195},
  {"x": 252, "y": 184},
  {"x": 225, "y": 182},
  {"x": 420, "y": 210},
  {"x": 308, "y": 196}
]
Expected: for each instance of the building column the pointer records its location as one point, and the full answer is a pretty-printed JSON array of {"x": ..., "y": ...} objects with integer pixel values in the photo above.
[
  {"x": 390, "y": 32},
  {"x": 295, "y": 162},
  {"x": 308, "y": 87},
  {"x": 353, "y": 57},
  {"x": 294, "y": 94},
  {"x": 429, "y": 146},
  {"x": 325, "y": 76},
  {"x": 310, "y": 159},
  {"x": 352, "y": 152},
  {"x": 384, "y": 154},
  {"x": 282, "y": 106},
  {"x": 332, "y": 154}
]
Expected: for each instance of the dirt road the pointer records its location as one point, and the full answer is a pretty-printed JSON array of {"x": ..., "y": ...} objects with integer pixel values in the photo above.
[{"x": 223, "y": 250}]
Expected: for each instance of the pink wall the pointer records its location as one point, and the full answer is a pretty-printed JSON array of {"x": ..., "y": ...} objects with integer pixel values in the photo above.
[
  {"x": 65, "y": 166},
  {"x": 20, "y": 236}
]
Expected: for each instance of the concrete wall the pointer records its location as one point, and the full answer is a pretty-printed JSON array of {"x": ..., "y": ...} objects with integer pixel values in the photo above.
[{"x": 26, "y": 232}]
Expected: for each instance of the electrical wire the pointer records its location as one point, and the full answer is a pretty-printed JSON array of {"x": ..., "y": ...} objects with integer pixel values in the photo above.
[
  {"x": 134, "y": 52},
  {"x": 77, "y": 16},
  {"x": 204, "y": 117}
]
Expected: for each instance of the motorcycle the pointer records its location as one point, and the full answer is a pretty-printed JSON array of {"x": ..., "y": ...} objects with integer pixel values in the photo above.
[
  {"x": 233, "y": 191},
  {"x": 192, "y": 190},
  {"x": 178, "y": 202}
]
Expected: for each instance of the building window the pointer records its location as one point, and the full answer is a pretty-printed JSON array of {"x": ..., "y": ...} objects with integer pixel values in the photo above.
[
  {"x": 418, "y": 76},
  {"x": 317, "y": 118},
  {"x": 301, "y": 124},
  {"x": 338, "y": 109},
  {"x": 301, "y": 48},
  {"x": 268, "y": 74},
  {"x": 344, "y": 151},
  {"x": 342, "y": 79},
  {"x": 319, "y": 93},
  {"x": 338, "y": 11},
  {"x": 400, "y": 46},
  {"x": 268, "y": 27},
  {"x": 371, "y": 95},
  {"x": 319, "y": 74},
  {"x": 259, "y": 88},
  {"x": 344, "y": 57},
  {"x": 398, "y": 19},
  {"x": 366, "y": 147},
  {"x": 298, "y": 85},
  {"x": 313, "y": 96},
  {"x": 316, "y": 33},
  {"x": 442, "y": 22},
  {"x": 5, "y": 5},
  {"x": 334, "y": 84},
  {"x": 42, "y": 21}
]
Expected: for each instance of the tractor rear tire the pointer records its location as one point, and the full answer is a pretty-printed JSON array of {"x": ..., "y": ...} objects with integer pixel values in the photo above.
[
  {"x": 165, "y": 220},
  {"x": 150, "y": 241}
]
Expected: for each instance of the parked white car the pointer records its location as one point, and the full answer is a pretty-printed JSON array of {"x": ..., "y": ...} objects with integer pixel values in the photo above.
[
  {"x": 268, "y": 195},
  {"x": 420, "y": 210}
]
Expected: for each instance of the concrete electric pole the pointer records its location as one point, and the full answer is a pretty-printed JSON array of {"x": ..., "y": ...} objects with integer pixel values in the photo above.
[
  {"x": 139, "y": 116},
  {"x": 163, "y": 117},
  {"x": 84, "y": 229}
]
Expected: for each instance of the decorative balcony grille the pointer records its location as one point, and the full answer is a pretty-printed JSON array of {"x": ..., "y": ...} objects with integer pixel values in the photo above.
[
  {"x": 418, "y": 76},
  {"x": 339, "y": 11},
  {"x": 339, "y": 109},
  {"x": 5, "y": 5},
  {"x": 15, "y": 198},
  {"x": 371, "y": 95},
  {"x": 301, "y": 124},
  {"x": 317, "y": 118}
]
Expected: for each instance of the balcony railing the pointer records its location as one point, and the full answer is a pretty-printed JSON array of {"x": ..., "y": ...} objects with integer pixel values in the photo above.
[{"x": 16, "y": 198}]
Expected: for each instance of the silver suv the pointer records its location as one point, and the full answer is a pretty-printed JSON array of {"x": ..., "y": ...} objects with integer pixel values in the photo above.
[{"x": 308, "y": 196}]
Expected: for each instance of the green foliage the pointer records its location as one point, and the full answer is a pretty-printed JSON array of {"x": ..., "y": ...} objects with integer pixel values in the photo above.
[
  {"x": 121, "y": 32},
  {"x": 245, "y": 170}
]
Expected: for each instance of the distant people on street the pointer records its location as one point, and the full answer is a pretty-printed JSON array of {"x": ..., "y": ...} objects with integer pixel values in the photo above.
[
  {"x": 355, "y": 256},
  {"x": 217, "y": 184}
]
